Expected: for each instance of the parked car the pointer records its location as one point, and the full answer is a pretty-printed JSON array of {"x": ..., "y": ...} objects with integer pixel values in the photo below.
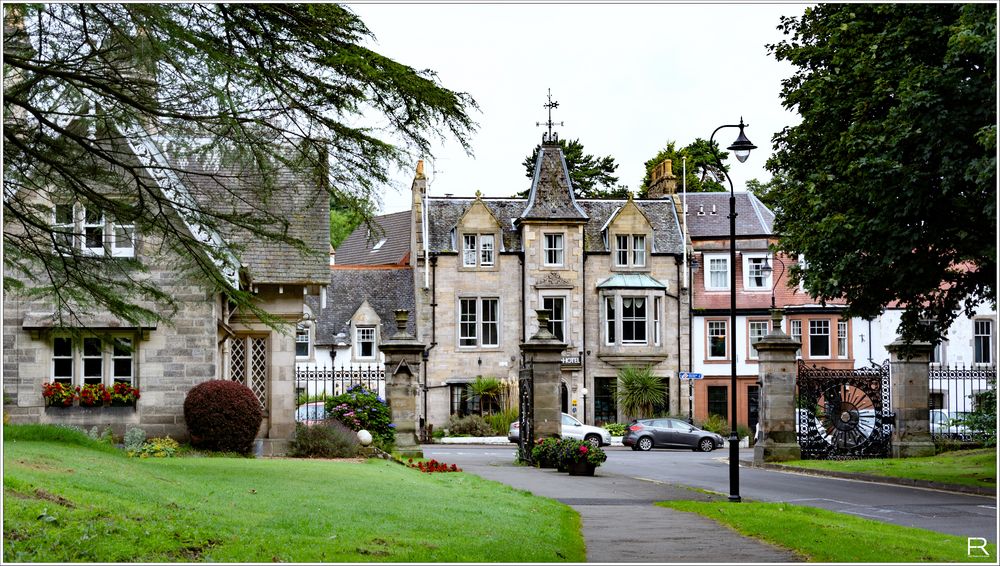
[
  {"x": 944, "y": 425},
  {"x": 570, "y": 428},
  {"x": 646, "y": 434},
  {"x": 311, "y": 413}
]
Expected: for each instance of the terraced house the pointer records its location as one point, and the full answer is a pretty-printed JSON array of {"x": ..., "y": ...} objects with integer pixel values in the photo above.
[{"x": 608, "y": 272}]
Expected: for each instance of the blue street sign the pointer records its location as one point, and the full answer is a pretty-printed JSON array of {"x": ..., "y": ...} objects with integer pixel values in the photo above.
[{"x": 689, "y": 375}]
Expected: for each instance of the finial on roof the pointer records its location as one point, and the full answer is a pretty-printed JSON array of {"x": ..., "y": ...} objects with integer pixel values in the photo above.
[
  {"x": 420, "y": 169},
  {"x": 479, "y": 194},
  {"x": 550, "y": 137}
]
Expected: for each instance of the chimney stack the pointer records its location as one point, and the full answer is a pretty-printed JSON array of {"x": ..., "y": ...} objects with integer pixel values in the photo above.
[{"x": 663, "y": 182}]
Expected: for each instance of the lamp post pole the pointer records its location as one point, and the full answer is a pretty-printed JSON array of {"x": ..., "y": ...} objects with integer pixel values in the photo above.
[
  {"x": 584, "y": 391},
  {"x": 741, "y": 148}
]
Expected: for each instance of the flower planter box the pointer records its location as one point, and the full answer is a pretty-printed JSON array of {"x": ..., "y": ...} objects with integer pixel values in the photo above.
[{"x": 581, "y": 469}]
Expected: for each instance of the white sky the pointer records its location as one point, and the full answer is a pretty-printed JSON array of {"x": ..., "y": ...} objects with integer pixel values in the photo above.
[{"x": 628, "y": 79}]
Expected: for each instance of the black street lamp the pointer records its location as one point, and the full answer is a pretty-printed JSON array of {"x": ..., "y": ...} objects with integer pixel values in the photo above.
[
  {"x": 741, "y": 149},
  {"x": 766, "y": 269},
  {"x": 584, "y": 391}
]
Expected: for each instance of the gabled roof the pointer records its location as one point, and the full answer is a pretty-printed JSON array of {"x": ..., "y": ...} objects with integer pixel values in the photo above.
[
  {"x": 296, "y": 198},
  {"x": 385, "y": 288},
  {"x": 753, "y": 218},
  {"x": 444, "y": 213},
  {"x": 386, "y": 243}
]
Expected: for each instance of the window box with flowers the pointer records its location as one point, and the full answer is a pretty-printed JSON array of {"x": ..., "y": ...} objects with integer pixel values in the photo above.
[
  {"x": 124, "y": 395},
  {"x": 58, "y": 394},
  {"x": 94, "y": 395},
  {"x": 580, "y": 458},
  {"x": 91, "y": 395}
]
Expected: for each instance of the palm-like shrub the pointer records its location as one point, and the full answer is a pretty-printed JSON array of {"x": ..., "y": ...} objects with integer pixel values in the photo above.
[
  {"x": 488, "y": 389},
  {"x": 639, "y": 391}
]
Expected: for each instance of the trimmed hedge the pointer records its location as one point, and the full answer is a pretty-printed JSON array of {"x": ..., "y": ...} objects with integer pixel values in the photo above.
[{"x": 222, "y": 416}]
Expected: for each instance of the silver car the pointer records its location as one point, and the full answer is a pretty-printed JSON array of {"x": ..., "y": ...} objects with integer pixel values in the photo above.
[{"x": 571, "y": 428}]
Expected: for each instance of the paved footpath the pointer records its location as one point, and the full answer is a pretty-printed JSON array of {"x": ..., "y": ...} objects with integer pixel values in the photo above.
[{"x": 621, "y": 524}]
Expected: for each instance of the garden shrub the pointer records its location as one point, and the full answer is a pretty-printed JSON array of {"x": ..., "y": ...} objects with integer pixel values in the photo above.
[
  {"x": 616, "y": 429},
  {"x": 716, "y": 424},
  {"x": 222, "y": 416},
  {"x": 500, "y": 420},
  {"x": 329, "y": 439},
  {"x": 472, "y": 425},
  {"x": 157, "y": 448},
  {"x": 360, "y": 409},
  {"x": 134, "y": 437}
]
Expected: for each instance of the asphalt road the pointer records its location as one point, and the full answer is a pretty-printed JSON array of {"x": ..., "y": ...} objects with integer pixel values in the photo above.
[{"x": 945, "y": 512}]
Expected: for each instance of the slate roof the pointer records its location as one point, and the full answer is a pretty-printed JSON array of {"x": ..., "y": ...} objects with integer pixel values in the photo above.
[
  {"x": 753, "y": 218},
  {"x": 299, "y": 202},
  {"x": 551, "y": 196},
  {"x": 444, "y": 214},
  {"x": 385, "y": 289},
  {"x": 359, "y": 247}
]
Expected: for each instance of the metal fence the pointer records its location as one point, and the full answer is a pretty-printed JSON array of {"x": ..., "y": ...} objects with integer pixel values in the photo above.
[
  {"x": 955, "y": 392},
  {"x": 319, "y": 383}
]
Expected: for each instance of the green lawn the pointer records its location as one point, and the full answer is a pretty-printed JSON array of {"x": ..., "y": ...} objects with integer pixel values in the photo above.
[
  {"x": 961, "y": 467},
  {"x": 72, "y": 501},
  {"x": 824, "y": 536}
]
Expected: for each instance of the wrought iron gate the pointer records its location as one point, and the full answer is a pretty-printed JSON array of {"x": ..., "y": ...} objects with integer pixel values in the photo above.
[
  {"x": 843, "y": 414},
  {"x": 526, "y": 411}
]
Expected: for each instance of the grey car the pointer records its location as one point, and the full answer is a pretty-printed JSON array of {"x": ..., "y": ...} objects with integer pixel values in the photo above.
[{"x": 646, "y": 434}]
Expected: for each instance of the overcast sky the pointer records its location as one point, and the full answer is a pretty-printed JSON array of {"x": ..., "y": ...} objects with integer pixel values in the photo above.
[{"x": 628, "y": 79}]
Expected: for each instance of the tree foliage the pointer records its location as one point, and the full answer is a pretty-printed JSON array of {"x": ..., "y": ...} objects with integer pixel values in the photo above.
[
  {"x": 703, "y": 173},
  {"x": 256, "y": 88},
  {"x": 888, "y": 184},
  {"x": 592, "y": 177}
]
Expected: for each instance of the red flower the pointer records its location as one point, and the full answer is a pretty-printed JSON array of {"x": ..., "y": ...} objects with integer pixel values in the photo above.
[{"x": 583, "y": 450}]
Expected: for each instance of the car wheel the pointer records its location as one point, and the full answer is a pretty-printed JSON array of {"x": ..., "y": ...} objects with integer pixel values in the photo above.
[
  {"x": 706, "y": 445},
  {"x": 593, "y": 439},
  {"x": 645, "y": 444}
]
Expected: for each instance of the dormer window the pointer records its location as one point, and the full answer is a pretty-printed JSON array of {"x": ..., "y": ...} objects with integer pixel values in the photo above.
[
  {"x": 478, "y": 250},
  {"x": 89, "y": 229},
  {"x": 630, "y": 250}
]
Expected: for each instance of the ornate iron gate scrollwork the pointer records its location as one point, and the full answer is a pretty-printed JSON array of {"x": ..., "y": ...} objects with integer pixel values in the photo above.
[
  {"x": 526, "y": 411},
  {"x": 842, "y": 413}
]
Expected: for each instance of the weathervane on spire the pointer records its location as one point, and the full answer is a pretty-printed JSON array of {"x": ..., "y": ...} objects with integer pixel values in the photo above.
[{"x": 550, "y": 137}]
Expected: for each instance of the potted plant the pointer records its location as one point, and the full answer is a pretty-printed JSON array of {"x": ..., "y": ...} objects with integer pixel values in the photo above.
[
  {"x": 123, "y": 395},
  {"x": 581, "y": 458},
  {"x": 94, "y": 395},
  {"x": 58, "y": 394},
  {"x": 545, "y": 453}
]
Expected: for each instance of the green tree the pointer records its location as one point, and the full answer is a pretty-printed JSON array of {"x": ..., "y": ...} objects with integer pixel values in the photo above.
[
  {"x": 592, "y": 177},
  {"x": 347, "y": 213},
  {"x": 766, "y": 191},
  {"x": 639, "y": 392},
  {"x": 889, "y": 182},
  {"x": 254, "y": 87},
  {"x": 703, "y": 173}
]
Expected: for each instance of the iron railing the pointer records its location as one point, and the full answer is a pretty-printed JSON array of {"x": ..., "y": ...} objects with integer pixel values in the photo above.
[
  {"x": 319, "y": 383},
  {"x": 955, "y": 392}
]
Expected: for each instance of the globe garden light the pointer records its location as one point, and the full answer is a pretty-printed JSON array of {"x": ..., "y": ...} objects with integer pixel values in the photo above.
[{"x": 742, "y": 146}]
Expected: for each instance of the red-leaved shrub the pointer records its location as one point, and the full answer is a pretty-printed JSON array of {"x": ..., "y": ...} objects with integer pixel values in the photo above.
[{"x": 222, "y": 416}]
